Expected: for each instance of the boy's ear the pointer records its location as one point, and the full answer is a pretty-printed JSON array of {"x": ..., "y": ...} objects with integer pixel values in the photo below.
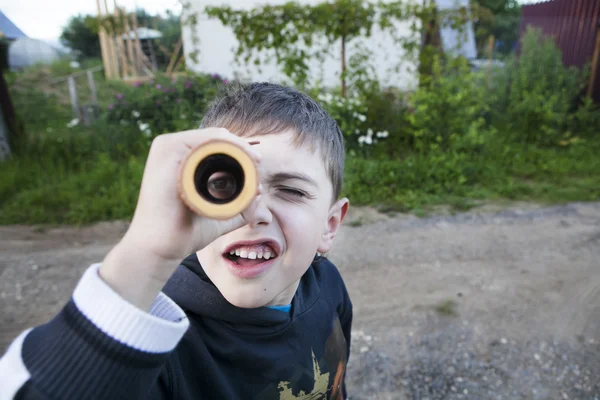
[{"x": 337, "y": 213}]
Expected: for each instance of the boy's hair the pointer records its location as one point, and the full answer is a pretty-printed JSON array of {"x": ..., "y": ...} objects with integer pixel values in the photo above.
[{"x": 266, "y": 108}]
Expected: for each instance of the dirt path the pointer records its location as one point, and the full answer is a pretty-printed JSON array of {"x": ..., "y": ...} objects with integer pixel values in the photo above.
[{"x": 483, "y": 305}]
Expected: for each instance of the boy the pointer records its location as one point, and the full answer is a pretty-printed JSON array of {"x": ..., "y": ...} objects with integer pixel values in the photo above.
[{"x": 250, "y": 313}]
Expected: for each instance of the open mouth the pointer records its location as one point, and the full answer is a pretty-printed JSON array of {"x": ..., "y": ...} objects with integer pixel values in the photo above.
[{"x": 251, "y": 255}]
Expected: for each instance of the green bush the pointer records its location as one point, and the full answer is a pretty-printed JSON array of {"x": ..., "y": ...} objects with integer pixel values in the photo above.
[
  {"x": 538, "y": 94},
  {"x": 102, "y": 189},
  {"x": 164, "y": 105},
  {"x": 387, "y": 112},
  {"x": 449, "y": 108}
]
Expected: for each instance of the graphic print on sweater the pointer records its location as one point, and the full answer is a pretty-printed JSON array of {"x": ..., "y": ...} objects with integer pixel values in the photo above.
[{"x": 334, "y": 358}]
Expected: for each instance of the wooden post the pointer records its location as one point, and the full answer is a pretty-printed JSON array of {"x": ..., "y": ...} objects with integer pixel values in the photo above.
[
  {"x": 9, "y": 135},
  {"x": 73, "y": 96},
  {"x": 152, "y": 55},
  {"x": 138, "y": 46},
  {"x": 177, "y": 63},
  {"x": 594, "y": 63},
  {"x": 174, "y": 56},
  {"x": 113, "y": 57},
  {"x": 104, "y": 48},
  {"x": 121, "y": 44},
  {"x": 130, "y": 54},
  {"x": 92, "y": 83}
]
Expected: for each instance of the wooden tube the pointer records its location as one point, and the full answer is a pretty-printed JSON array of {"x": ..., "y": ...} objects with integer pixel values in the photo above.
[{"x": 217, "y": 156}]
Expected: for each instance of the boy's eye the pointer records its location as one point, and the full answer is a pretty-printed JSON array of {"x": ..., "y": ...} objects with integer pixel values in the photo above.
[{"x": 292, "y": 192}]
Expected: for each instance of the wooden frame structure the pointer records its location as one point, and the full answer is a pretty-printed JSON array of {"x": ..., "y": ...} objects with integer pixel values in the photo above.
[{"x": 122, "y": 55}]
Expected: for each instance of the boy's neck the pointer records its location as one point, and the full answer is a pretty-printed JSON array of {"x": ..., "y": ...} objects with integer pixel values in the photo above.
[{"x": 284, "y": 298}]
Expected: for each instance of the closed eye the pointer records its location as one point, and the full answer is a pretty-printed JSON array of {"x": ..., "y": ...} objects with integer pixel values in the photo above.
[{"x": 295, "y": 194}]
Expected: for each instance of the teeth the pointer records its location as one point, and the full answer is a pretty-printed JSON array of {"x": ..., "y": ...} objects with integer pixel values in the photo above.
[{"x": 253, "y": 254}]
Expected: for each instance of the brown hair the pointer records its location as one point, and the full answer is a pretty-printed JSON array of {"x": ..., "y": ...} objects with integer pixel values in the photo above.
[{"x": 266, "y": 108}]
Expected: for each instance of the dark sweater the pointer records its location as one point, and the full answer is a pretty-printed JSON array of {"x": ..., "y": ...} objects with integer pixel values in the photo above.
[{"x": 226, "y": 353}]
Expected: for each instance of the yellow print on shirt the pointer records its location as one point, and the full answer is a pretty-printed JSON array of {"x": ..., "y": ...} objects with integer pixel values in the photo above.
[{"x": 319, "y": 389}]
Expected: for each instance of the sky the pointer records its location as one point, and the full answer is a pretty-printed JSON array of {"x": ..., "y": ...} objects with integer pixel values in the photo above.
[{"x": 44, "y": 19}]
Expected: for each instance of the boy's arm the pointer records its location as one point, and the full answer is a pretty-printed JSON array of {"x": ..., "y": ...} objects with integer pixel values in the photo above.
[{"x": 98, "y": 347}]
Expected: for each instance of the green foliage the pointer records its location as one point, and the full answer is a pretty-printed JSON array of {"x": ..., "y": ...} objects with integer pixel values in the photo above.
[
  {"x": 164, "y": 105},
  {"x": 104, "y": 190},
  {"x": 500, "y": 18},
  {"x": 537, "y": 93},
  {"x": 525, "y": 133},
  {"x": 500, "y": 171},
  {"x": 81, "y": 35},
  {"x": 449, "y": 109},
  {"x": 447, "y": 308},
  {"x": 294, "y": 33},
  {"x": 170, "y": 27},
  {"x": 387, "y": 111}
]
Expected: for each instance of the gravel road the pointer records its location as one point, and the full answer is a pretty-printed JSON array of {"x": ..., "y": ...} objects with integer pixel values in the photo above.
[{"x": 490, "y": 304}]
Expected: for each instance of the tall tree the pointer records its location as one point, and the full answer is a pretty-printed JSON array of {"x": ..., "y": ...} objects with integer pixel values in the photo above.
[
  {"x": 81, "y": 36},
  {"x": 500, "y": 18}
]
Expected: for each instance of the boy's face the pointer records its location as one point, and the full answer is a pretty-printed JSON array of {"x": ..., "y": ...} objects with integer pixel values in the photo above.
[{"x": 294, "y": 220}]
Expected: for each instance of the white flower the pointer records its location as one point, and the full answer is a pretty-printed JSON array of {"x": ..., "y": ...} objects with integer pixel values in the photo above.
[
  {"x": 135, "y": 114},
  {"x": 369, "y": 132},
  {"x": 357, "y": 131},
  {"x": 383, "y": 134},
  {"x": 361, "y": 140},
  {"x": 361, "y": 117},
  {"x": 74, "y": 122},
  {"x": 144, "y": 128},
  {"x": 369, "y": 140}
]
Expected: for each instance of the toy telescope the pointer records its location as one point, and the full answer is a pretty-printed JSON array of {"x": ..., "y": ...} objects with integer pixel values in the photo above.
[{"x": 218, "y": 180}]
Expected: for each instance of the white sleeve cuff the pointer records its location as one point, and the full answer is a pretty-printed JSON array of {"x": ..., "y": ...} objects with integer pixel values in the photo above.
[{"x": 156, "y": 332}]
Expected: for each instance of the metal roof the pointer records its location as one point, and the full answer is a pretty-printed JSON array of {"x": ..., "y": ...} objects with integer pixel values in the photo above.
[
  {"x": 144, "y": 33},
  {"x": 8, "y": 29}
]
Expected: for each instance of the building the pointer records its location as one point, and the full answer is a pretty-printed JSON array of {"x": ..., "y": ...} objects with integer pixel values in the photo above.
[{"x": 215, "y": 46}]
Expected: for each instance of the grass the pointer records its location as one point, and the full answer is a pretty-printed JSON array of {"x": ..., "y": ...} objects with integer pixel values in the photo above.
[
  {"x": 415, "y": 183},
  {"x": 89, "y": 174},
  {"x": 446, "y": 308},
  {"x": 87, "y": 178}
]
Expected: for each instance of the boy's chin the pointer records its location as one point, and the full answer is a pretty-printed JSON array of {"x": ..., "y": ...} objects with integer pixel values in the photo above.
[{"x": 249, "y": 300}]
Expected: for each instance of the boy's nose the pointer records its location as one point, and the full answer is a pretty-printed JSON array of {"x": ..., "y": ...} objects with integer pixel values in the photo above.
[{"x": 258, "y": 213}]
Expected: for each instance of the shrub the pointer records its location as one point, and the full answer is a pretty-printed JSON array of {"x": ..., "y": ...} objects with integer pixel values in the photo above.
[
  {"x": 164, "y": 105},
  {"x": 538, "y": 93},
  {"x": 449, "y": 108},
  {"x": 350, "y": 114}
]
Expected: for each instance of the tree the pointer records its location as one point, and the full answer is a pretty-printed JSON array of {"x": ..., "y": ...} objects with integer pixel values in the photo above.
[
  {"x": 294, "y": 33},
  {"x": 291, "y": 31},
  {"x": 81, "y": 36},
  {"x": 500, "y": 18}
]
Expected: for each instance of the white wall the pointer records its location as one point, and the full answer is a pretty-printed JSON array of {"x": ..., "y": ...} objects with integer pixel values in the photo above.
[{"x": 217, "y": 43}]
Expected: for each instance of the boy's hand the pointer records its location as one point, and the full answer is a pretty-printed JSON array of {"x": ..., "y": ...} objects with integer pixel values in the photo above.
[{"x": 163, "y": 230}]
